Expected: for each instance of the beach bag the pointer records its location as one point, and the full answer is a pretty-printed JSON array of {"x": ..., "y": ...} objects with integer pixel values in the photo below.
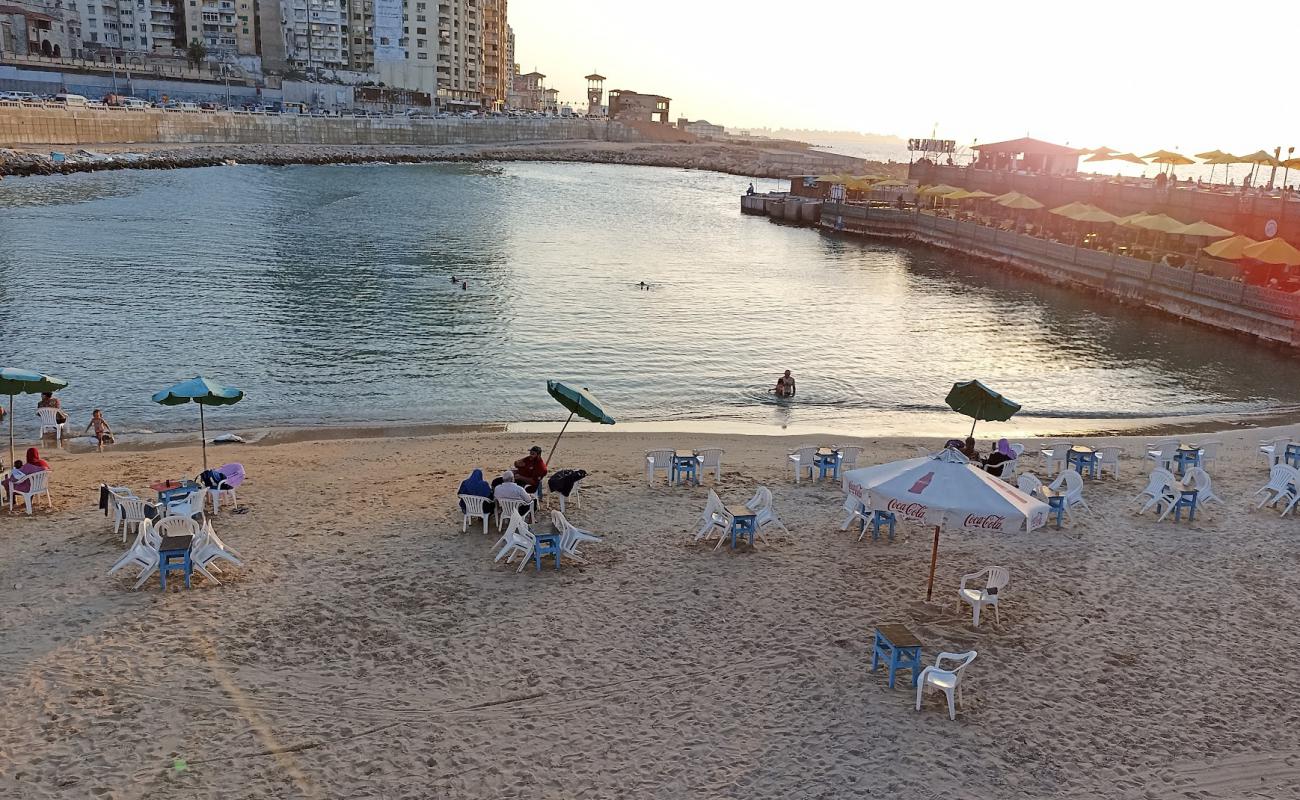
[{"x": 210, "y": 478}]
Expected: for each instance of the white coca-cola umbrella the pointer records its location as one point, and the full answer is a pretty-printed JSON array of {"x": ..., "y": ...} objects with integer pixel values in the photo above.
[{"x": 946, "y": 491}]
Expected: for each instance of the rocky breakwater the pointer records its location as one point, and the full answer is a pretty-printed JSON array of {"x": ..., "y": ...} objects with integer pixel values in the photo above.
[{"x": 727, "y": 158}]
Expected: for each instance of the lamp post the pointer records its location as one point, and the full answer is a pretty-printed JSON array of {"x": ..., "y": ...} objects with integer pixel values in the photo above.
[
  {"x": 1277, "y": 153},
  {"x": 1287, "y": 169}
]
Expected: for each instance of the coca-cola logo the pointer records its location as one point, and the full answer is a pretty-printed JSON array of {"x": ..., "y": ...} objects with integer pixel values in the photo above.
[
  {"x": 855, "y": 490},
  {"x": 909, "y": 510},
  {"x": 984, "y": 522}
]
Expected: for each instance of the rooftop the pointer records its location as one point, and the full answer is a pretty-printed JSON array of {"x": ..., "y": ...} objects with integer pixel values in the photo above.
[{"x": 1027, "y": 146}]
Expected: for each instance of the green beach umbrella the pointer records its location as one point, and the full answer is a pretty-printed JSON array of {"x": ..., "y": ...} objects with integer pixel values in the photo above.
[
  {"x": 204, "y": 392},
  {"x": 579, "y": 401},
  {"x": 979, "y": 402},
  {"x": 14, "y": 380}
]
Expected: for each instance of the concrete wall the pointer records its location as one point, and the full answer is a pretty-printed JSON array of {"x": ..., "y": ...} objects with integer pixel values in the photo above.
[
  {"x": 139, "y": 84},
  {"x": 1263, "y": 313},
  {"x": 22, "y": 126}
]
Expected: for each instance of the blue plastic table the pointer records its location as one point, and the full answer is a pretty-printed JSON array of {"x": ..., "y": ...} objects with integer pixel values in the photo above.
[
  {"x": 897, "y": 648},
  {"x": 686, "y": 466},
  {"x": 174, "y": 554},
  {"x": 879, "y": 518},
  {"x": 1293, "y": 455},
  {"x": 827, "y": 460},
  {"x": 1056, "y": 501},
  {"x": 1187, "y": 455},
  {"x": 546, "y": 544},
  {"x": 1082, "y": 458},
  {"x": 1187, "y": 500},
  {"x": 743, "y": 522}
]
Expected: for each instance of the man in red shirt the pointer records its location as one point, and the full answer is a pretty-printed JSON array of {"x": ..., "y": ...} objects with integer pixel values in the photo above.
[{"x": 530, "y": 469}]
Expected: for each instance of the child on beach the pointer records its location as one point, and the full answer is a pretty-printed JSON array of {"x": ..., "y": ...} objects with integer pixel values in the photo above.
[{"x": 103, "y": 433}]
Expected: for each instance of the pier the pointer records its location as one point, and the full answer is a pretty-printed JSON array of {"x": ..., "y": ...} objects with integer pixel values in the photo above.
[{"x": 1266, "y": 314}]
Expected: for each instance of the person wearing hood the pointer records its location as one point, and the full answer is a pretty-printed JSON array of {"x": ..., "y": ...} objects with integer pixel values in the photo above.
[
  {"x": 476, "y": 486},
  {"x": 34, "y": 463},
  {"x": 1000, "y": 455}
]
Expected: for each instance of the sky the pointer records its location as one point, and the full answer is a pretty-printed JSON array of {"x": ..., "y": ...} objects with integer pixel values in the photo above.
[{"x": 1138, "y": 75}]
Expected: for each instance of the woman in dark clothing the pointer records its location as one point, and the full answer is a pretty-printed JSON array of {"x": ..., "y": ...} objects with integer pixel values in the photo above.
[{"x": 475, "y": 486}]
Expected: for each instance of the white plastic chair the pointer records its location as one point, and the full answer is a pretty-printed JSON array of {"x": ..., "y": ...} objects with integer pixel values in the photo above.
[
  {"x": 207, "y": 549},
  {"x": 144, "y": 550},
  {"x": 1108, "y": 458},
  {"x": 232, "y": 476},
  {"x": 473, "y": 510},
  {"x": 505, "y": 507},
  {"x": 1072, "y": 482},
  {"x": 518, "y": 538},
  {"x": 193, "y": 503},
  {"x": 130, "y": 512},
  {"x": 1210, "y": 453},
  {"x": 1197, "y": 478},
  {"x": 167, "y": 526},
  {"x": 1163, "y": 454},
  {"x": 849, "y": 457},
  {"x": 802, "y": 459},
  {"x": 573, "y": 494},
  {"x": 117, "y": 493},
  {"x": 1282, "y": 483},
  {"x": 1054, "y": 456},
  {"x": 50, "y": 422},
  {"x": 765, "y": 515},
  {"x": 711, "y": 458},
  {"x": 714, "y": 517},
  {"x": 857, "y": 512},
  {"x": 946, "y": 680},
  {"x": 1274, "y": 452},
  {"x": 37, "y": 483},
  {"x": 1029, "y": 483},
  {"x": 570, "y": 536},
  {"x": 656, "y": 460},
  {"x": 1018, "y": 449},
  {"x": 997, "y": 580},
  {"x": 1160, "y": 490}
]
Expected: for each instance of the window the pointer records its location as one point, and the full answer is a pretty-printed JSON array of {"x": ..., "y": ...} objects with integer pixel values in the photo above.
[
  {"x": 422, "y": 31},
  {"x": 421, "y": 43},
  {"x": 423, "y": 56}
]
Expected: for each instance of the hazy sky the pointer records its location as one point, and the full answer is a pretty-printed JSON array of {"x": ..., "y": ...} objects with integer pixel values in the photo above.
[{"x": 1141, "y": 75}]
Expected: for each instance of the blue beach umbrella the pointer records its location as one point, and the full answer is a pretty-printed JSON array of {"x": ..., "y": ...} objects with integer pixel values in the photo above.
[
  {"x": 204, "y": 392},
  {"x": 15, "y": 380},
  {"x": 579, "y": 401}
]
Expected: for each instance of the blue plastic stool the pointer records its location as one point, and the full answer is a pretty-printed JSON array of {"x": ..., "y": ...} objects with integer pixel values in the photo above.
[
  {"x": 1056, "y": 504},
  {"x": 171, "y": 549},
  {"x": 546, "y": 544},
  {"x": 745, "y": 526},
  {"x": 898, "y": 649},
  {"x": 878, "y": 518},
  {"x": 827, "y": 464},
  {"x": 686, "y": 469},
  {"x": 1187, "y": 500}
]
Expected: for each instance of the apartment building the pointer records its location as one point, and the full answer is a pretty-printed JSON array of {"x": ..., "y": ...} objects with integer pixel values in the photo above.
[
  {"x": 497, "y": 71},
  {"x": 246, "y": 27},
  {"x": 39, "y": 27},
  {"x": 147, "y": 26},
  {"x": 447, "y": 36},
  {"x": 313, "y": 34}
]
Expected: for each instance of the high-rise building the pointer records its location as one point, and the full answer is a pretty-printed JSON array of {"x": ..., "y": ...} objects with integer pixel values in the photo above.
[
  {"x": 313, "y": 34},
  {"x": 512, "y": 66},
  {"x": 446, "y": 35},
  {"x": 149, "y": 26},
  {"x": 497, "y": 70},
  {"x": 246, "y": 27}
]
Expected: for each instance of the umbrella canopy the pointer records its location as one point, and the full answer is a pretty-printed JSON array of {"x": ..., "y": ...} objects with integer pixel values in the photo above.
[
  {"x": 890, "y": 183},
  {"x": 941, "y": 189},
  {"x": 1069, "y": 209},
  {"x": 1273, "y": 251},
  {"x": 15, "y": 380},
  {"x": 1259, "y": 157},
  {"x": 1018, "y": 201},
  {"x": 1097, "y": 151},
  {"x": 1225, "y": 158},
  {"x": 1132, "y": 219},
  {"x": 1168, "y": 157},
  {"x": 1129, "y": 157},
  {"x": 1159, "y": 222},
  {"x": 204, "y": 392},
  {"x": 1230, "y": 249},
  {"x": 960, "y": 194},
  {"x": 978, "y": 194},
  {"x": 1291, "y": 163},
  {"x": 979, "y": 402},
  {"x": 1211, "y": 154},
  {"x": 945, "y": 491},
  {"x": 578, "y": 401},
  {"x": 1094, "y": 214},
  {"x": 1203, "y": 228}
]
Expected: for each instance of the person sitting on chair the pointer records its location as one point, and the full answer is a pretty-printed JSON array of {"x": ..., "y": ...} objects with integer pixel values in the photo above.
[
  {"x": 507, "y": 489},
  {"x": 993, "y": 463},
  {"x": 530, "y": 469},
  {"x": 476, "y": 486}
]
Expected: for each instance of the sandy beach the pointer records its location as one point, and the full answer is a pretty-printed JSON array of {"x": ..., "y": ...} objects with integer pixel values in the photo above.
[{"x": 370, "y": 649}]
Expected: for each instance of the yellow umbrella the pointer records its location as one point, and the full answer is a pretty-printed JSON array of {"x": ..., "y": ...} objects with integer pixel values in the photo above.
[
  {"x": 1094, "y": 214},
  {"x": 1291, "y": 163},
  {"x": 1069, "y": 210},
  {"x": 1274, "y": 251},
  {"x": 1209, "y": 154},
  {"x": 1230, "y": 249},
  {"x": 1129, "y": 157},
  {"x": 978, "y": 194},
  {"x": 941, "y": 189},
  {"x": 1203, "y": 228},
  {"x": 858, "y": 184},
  {"x": 1260, "y": 158},
  {"x": 1131, "y": 220},
  {"x": 1097, "y": 151},
  {"x": 1168, "y": 157},
  {"x": 1159, "y": 222},
  {"x": 1019, "y": 202},
  {"x": 960, "y": 194}
]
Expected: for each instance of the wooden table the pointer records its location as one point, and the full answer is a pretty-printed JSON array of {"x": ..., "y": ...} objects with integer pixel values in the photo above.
[{"x": 899, "y": 649}]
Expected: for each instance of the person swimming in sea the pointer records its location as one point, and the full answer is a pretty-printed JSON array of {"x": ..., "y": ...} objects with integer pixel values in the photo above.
[
  {"x": 643, "y": 285},
  {"x": 784, "y": 385}
]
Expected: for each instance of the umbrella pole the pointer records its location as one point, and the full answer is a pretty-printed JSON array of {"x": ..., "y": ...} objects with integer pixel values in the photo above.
[
  {"x": 934, "y": 558},
  {"x": 203, "y": 432},
  {"x": 972, "y": 427},
  {"x": 557, "y": 439},
  {"x": 11, "y": 430}
]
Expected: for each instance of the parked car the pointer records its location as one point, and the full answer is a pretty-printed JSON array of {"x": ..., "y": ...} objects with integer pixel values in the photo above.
[
  {"x": 209, "y": 106},
  {"x": 19, "y": 97},
  {"x": 135, "y": 102},
  {"x": 68, "y": 99}
]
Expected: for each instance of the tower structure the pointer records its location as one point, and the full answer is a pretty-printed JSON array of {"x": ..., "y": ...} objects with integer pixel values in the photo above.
[{"x": 595, "y": 94}]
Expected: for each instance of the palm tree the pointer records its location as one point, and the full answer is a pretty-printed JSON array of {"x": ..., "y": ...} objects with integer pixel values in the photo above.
[{"x": 196, "y": 53}]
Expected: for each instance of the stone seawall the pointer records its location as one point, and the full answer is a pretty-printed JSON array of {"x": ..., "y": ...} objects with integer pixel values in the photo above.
[{"x": 38, "y": 126}]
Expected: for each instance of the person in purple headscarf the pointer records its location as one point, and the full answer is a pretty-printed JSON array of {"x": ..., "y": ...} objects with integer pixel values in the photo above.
[{"x": 1000, "y": 455}]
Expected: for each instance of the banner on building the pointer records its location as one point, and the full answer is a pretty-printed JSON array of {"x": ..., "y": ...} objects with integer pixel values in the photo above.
[
  {"x": 932, "y": 145},
  {"x": 388, "y": 31}
]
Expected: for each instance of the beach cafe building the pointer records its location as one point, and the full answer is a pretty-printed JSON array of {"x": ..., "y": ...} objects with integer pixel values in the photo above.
[{"x": 1026, "y": 155}]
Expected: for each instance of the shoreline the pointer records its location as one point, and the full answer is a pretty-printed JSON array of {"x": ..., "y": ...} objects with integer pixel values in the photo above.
[{"x": 729, "y": 159}]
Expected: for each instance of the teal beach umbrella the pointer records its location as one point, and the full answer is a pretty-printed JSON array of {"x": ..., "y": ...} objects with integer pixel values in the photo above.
[
  {"x": 979, "y": 402},
  {"x": 14, "y": 380},
  {"x": 204, "y": 392},
  {"x": 579, "y": 401}
]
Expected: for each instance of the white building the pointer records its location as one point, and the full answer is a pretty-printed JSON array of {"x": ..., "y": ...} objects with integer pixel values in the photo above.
[
  {"x": 148, "y": 26},
  {"x": 313, "y": 34}
]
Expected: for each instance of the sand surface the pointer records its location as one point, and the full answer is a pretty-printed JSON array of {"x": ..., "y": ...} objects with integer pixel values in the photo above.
[{"x": 370, "y": 649}]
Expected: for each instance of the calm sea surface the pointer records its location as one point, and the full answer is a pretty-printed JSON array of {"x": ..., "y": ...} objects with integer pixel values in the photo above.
[{"x": 326, "y": 293}]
